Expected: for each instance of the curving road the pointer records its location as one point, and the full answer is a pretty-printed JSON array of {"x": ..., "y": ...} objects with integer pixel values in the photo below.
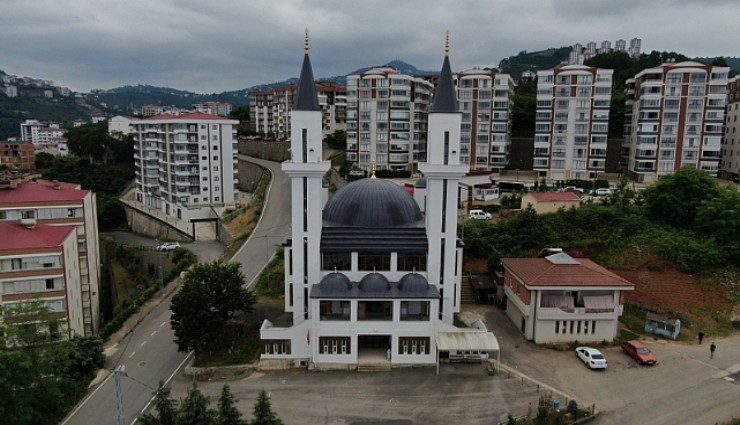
[{"x": 148, "y": 352}]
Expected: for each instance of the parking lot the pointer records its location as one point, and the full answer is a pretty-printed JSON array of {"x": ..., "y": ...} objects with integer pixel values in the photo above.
[{"x": 684, "y": 387}]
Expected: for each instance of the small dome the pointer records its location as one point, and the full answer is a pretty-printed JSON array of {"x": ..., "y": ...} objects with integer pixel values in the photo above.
[
  {"x": 372, "y": 203},
  {"x": 375, "y": 282},
  {"x": 335, "y": 283},
  {"x": 413, "y": 283}
]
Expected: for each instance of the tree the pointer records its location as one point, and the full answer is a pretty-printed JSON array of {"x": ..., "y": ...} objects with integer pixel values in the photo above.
[
  {"x": 210, "y": 296},
  {"x": 337, "y": 140},
  {"x": 227, "y": 413},
  {"x": 681, "y": 193},
  {"x": 263, "y": 414},
  {"x": 523, "y": 112},
  {"x": 194, "y": 409},
  {"x": 80, "y": 357},
  {"x": 719, "y": 217},
  {"x": 166, "y": 408}
]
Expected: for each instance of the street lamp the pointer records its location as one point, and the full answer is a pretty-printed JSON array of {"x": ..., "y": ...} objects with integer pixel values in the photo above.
[{"x": 159, "y": 259}]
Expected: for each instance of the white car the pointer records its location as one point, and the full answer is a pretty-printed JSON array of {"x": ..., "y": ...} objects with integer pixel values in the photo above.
[
  {"x": 591, "y": 357},
  {"x": 480, "y": 215},
  {"x": 167, "y": 246},
  {"x": 603, "y": 191}
]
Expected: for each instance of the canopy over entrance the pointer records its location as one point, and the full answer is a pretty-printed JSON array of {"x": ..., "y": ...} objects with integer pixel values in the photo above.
[{"x": 479, "y": 341}]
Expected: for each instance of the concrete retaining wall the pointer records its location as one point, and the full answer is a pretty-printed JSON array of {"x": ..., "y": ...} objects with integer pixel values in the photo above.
[{"x": 145, "y": 224}]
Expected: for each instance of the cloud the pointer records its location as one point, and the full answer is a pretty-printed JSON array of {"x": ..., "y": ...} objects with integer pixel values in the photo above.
[{"x": 229, "y": 44}]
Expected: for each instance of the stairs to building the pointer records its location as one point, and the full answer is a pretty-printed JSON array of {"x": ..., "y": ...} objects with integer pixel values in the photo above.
[
  {"x": 467, "y": 295},
  {"x": 374, "y": 367}
]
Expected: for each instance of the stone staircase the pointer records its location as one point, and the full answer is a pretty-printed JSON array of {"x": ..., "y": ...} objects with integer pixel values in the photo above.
[
  {"x": 374, "y": 367},
  {"x": 467, "y": 296}
]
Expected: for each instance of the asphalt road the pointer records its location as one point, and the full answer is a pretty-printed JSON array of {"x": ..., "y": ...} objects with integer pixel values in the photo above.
[{"x": 148, "y": 351}]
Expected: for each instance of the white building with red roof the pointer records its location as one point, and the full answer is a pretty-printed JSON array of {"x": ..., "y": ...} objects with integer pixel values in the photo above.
[
  {"x": 63, "y": 204},
  {"x": 39, "y": 261},
  {"x": 549, "y": 202},
  {"x": 185, "y": 164},
  {"x": 562, "y": 299},
  {"x": 120, "y": 125}
]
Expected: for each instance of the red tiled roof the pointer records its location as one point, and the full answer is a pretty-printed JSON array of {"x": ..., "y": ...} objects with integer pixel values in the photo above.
[
  {"x": 191, "y": 116},
  {"x": 41, "y": 191},
  {"x": 555, "y": 196},
  {"x": 17, "y": 236},
  {"x": 536, "y": 272}
]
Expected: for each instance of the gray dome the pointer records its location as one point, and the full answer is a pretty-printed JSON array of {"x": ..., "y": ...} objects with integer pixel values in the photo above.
[
  {"x": 335, "y": 283},
  {"x": 372, "y": 203},
  {"x": 375, "y": 282},
  {"x": 413, "y": 283}
]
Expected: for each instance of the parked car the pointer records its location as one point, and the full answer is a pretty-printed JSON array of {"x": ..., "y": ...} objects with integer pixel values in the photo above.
[
  {"x": 591, "y": 357},
  {"x": 480, "y": 215},
  {"x": 639, "y": 352},
  {"x": 603, "y": 191},
  {"x": 356, "y": 172},
  {"x": 167, "y": 246}
]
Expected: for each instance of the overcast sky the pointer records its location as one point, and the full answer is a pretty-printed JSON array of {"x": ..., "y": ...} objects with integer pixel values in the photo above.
[{"x": 213, "y": 46}]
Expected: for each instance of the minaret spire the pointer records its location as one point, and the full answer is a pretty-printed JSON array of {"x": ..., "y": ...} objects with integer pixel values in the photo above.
[
  {"x": 445, "y": 100},
  {"x": 447, "y": 44},
  {"x": 306, "y": 98}
]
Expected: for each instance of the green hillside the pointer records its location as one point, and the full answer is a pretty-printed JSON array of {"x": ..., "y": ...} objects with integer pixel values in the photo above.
[
  {"x": 15, "y": 110},
  {"x": 533, "y": 61}
]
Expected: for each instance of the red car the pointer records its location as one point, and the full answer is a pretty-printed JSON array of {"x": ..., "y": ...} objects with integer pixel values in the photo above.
[{"x": 639, "y": 352}]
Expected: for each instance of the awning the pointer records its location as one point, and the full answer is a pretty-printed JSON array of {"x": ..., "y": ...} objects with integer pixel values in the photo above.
[
  {"x": 598, "y": 303},
  {"x": 467, "y": 341},
  {"x": 564, "y": 302}
]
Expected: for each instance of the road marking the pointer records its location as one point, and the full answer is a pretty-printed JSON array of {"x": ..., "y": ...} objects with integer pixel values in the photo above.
[
  {"x": 132, "y": 354},
  {"x": 153, "y": 333},
  {"x": 163, "y": 323},
  {"x": 143, "y": 343},
  {"x": 79, "y": 406},
  {"x": 165, "y": 384}
]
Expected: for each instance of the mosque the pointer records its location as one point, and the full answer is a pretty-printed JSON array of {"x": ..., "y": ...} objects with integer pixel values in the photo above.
[{"x": 373, "y": 274}]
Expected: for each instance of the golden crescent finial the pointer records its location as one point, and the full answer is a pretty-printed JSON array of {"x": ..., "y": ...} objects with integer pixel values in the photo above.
[
  {"x": 447, "y": 43},
  {"x": 305, "y": 42},
  {"x": 372, "y": 169}
]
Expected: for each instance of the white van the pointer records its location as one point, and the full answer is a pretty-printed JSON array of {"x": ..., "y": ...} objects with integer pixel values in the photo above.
[{"x": 479, "y": 215}]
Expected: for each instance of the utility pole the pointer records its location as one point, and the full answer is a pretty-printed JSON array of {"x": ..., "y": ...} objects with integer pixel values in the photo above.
[{"x": 120, "y": 370}]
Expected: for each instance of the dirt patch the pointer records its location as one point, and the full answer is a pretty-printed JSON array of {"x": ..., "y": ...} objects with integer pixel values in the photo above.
[
  {"x": 241, "y": 223},
  {"x": 476, "y": 265},
  {"x": 672, "y": 290}
]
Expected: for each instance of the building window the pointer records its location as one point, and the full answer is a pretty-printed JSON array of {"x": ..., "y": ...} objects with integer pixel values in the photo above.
[
  {"x": 335, "y": 310},
  {"x": 337, "y": 261},
  {"x": 335, "y": 345},
  {"x": 276, "y": 346},
  {"x": 415, "y": 310},
  {"x": 412, "y": 262},
  {"x": 374, "y": 262},
  {"x": 413, "y": 345},
  {"x": 375, "y": 310}
]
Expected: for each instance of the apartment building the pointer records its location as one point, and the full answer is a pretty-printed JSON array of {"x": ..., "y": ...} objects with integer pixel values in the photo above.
[
  {"x": 217, "y": 107},
  {"x": 120, "y": 125},
  {"x": 18, "y": 154},
  {"x": 49, "y": 204},
  {"x": 676, "y": 119},
  {"x": 269, "y": 110},
  {"x": 730, "y": 165},
  {"x": 387, "y": 119},
  {"x": 572, "y": 122},
  {"x": 185, "y": 164},
  {"x": 39, "y": 262},
  {"x": 40, "y": 132},
  {"x": 485, "y": 98}
]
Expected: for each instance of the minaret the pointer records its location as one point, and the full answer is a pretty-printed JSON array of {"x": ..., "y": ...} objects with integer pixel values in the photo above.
[
  {"x": 443, "y": 172},
  {"x": 306, "y": 170}
]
